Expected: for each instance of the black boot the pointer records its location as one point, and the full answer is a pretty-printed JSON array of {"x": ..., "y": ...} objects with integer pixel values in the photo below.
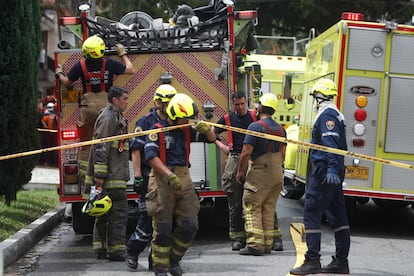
[
  {"x": 176, "y": 269},
  {"x": 308, "y": 267},
  {"x": 131, "y": 261},
  {"x": 337, "y": 266},
  {"x": 277, "y": 244},
  {"x": 236, "y": 245}
]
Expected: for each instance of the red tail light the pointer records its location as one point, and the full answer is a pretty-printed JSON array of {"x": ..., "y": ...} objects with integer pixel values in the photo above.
[
  {"x": 71, "y": 169},
  {"x": 69, "y": 134},
  {"x": 245, "y": 14}
]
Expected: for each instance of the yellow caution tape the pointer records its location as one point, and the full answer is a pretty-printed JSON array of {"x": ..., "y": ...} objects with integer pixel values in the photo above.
[
  {"x": 241, "y": 130},
  {"x": 317, "y": 147},
  {"x": 92, "y": 142},
  {"x": 46, "y": 130}
]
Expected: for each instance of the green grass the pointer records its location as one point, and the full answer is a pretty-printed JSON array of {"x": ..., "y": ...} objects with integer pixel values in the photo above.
[{"x": 30, "y": 205}]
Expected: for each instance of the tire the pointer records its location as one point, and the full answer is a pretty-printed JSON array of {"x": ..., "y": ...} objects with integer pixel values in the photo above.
[
  {"x": 292, "y": 191},
  {"x": 390, "y": 204},
  {"x": 81, "y": 223}
]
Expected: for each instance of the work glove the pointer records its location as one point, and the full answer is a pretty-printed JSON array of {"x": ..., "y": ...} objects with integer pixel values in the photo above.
[
  {"x": 333, "y": 178},
  {"x": 120, "y": 49},
  {"x": 174, "y": 182},
  {"x": 202, "y": 127},
  {"x": 58, "y": 71},
  {"x": 139, "y": 185}
]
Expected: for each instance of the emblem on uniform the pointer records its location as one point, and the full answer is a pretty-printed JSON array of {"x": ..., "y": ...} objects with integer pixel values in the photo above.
[
  {"x": 153, "y": 137},
  {"x": 330, "y": 125},
  {"x": 138, "y": 129}
]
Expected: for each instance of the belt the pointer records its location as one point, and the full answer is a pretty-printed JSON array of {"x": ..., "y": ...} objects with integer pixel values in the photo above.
[{"x": 236, "y": 154}]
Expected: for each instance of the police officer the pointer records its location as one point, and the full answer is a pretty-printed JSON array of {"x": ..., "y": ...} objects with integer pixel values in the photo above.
[
  {"x": 260, "y": 169},
  {"x": 108, "y": 169},
  {"x": 171, "y": 199},
  {"x": 324, "y": 193},
  {"x": 143, "y": 232}
]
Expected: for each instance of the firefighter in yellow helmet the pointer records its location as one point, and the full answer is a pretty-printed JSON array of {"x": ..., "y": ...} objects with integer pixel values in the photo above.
[
  {"x": 260, "y": 171},
  {"x": 171, "y": 199},
  {"x": 96, "y": 73},
  {"x": 142, "y": 235}
]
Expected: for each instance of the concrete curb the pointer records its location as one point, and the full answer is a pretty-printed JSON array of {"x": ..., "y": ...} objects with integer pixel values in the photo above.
[{"x": 21, "y": 242}]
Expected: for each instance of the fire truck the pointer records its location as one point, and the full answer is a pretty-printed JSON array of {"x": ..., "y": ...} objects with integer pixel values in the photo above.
[
  {"x": 371, "y": 63},
  {"x": 199, "y": 59},
  {"x": 274, "y": 72}
]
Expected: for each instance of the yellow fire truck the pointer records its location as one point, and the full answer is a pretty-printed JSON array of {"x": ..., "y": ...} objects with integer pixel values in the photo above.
[
  {"x": 372, "y": 65},
  {"x": 200, "y": 60}
]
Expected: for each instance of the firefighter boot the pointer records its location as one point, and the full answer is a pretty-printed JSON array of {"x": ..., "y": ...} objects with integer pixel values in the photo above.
[
  {"x": 236, "y": 245},
  {"x": 337, "y": 266},
  {"x": 277, "y": 244},
  {"x": 131, "y": 261},
  {"x": 176, "y": 269},
  {"x": 308, "y": 267}
]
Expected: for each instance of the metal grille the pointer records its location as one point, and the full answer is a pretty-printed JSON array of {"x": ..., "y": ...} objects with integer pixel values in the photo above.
[
  {"x": 368, "y": 49},
  {"x": 402, "y": 58}
]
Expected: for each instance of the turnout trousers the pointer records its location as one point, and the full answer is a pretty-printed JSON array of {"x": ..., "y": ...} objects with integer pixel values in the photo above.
[
  {"x": 263, "y": 184},
  {"x": 234, "y": 192},
  {"x": 321, "y": 199},
  {"x": 174, "y": 218},
  {"x": 143, "y": 231},
  {"x": 109, "y": 231}
]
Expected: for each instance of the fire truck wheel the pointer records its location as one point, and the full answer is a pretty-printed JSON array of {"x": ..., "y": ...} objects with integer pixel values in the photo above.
[
  {"x": 292, "y": 191},
  {"x": 390, "y": 204},
  {"x": 81, "y": 223}
]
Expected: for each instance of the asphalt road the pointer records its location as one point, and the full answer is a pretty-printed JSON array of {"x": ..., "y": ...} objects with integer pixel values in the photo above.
[{"x": 382, "y": 244}]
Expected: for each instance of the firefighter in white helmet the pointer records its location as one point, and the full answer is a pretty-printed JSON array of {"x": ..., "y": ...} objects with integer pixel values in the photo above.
[
  {"x": 324, "y": 193},
  {"x": 171, "y": 198},
  {"x": 260, "y": 171}
]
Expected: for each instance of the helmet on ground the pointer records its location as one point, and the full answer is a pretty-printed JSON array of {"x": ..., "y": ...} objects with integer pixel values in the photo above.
[
  {"x": 97, "y": 207},
  {"x": 50, "y": 106},
  {"x": 326, "y": 87},
  {"x": 269, "y": 100},
  {"x": 182, "y": 106},
  {"x": 164, "y": 93},
  {"x": 93, "y": 47}
]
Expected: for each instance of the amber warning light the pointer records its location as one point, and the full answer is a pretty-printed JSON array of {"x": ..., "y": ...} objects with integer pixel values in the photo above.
[
  {"x": 352, "y": 16},
  {"x": 69, "y": 134}
]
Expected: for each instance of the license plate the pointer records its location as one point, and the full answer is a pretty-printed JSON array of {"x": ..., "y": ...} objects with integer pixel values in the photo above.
[{"x": 356, "y": 172}]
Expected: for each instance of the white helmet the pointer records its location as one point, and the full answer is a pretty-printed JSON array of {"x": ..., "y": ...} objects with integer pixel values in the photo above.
[{"x": 50, "y": 106}]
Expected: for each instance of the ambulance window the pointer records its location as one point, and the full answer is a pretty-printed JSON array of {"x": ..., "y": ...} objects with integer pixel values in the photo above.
[{"x": 287, "y": 86}]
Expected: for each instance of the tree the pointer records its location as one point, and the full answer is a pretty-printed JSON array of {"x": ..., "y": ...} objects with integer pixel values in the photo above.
[{"x": 19, "y": 52}]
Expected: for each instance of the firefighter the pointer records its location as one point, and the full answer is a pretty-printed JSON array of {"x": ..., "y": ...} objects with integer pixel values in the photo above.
[
  {"x": 108, "y": 170},
  {"x": 260, "y": 169},
  {"x": 49, "y": 121},
  {"x": 143, "y": 232},
  {"x": 241, "y": 117},
  {"x": 324, "y": 193},
  {"x": 96, "y": 73},
  {"x": 171, "y": 199}
]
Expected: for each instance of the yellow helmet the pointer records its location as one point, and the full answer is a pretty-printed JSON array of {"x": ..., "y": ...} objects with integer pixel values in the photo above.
[
  {"x": 93, "y": 47},
  {"x": 326, "y": 87},
  {"x": 269, "y": 100},
  {"x": 164, "y": 93},
  {"x": 97, "y": 207},
  {"x": 182, "y": 106}
]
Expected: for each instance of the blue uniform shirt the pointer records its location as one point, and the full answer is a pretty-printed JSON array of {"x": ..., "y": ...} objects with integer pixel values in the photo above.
[
  {"x": 329, "y": 130},
  {"x": 175, "y": 145},
  {"x": 138, "y": 142},
  {"x": 243, "y": 122},
  {"x": 261, "y": 144},
  {"x": 112, "y": 67}
]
